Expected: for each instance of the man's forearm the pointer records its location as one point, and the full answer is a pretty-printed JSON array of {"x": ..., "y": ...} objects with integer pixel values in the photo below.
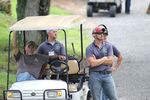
[
  {"x": 15, "y": 48},
  {"x": 109, "y": 61},
  {"x": 96, "y": 62}
]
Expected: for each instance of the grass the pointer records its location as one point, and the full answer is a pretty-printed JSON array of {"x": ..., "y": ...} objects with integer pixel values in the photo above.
[
  {"x": 58, "y": 11},
  {"x": 73, "y": 36},
  {"x": 3, "y": 84},
  {"x": 5, "y": 22}
]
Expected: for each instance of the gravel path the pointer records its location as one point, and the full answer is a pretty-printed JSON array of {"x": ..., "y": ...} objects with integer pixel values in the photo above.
[{"x": 131, "y": 34}]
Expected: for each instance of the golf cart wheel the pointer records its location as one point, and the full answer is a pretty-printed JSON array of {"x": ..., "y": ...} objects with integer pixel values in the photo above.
[
  {"x": 89, "y": 11},
  {"x": 119, "y": 8},
  {"x": 112, "y": 10}
]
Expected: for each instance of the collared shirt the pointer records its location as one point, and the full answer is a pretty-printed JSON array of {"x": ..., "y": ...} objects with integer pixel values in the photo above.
[
  {"x": 104, "y": 50},
  {"x": 116, "y": 52},
  {"x": 46, "y": 48}
]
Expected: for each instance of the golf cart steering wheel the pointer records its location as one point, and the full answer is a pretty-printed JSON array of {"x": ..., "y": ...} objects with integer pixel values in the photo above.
[{"x": 58, "y": 66}]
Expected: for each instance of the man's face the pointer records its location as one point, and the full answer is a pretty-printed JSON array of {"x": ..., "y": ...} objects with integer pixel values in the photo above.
[
  {"x": 52, "y": 34},
  {"x": 99, "y": 37},
  {"x": 29, "y": 50}
]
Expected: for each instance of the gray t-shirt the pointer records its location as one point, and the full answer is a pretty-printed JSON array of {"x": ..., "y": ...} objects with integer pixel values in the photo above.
[
  {"x": 30, "y": 63},
  {"x": 104, "y": 50}
]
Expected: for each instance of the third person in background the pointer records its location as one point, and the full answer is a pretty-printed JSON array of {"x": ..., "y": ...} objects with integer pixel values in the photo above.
[
  {"x": 116, "y": 53},
  {"x": 127, "y": 6}
]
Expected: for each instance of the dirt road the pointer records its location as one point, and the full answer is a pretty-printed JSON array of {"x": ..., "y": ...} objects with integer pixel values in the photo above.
[{"x": 131, "y": 34}]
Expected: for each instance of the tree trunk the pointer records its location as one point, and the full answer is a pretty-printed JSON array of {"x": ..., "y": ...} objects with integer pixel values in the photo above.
[
  {"x": 148, "y": 10},
  {"x": 32, "y": 8}
]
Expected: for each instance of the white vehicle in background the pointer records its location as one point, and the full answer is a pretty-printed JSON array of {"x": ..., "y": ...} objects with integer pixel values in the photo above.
[
  {"x": 74, "y": 87},
  {"x": 113, "y": 7}
]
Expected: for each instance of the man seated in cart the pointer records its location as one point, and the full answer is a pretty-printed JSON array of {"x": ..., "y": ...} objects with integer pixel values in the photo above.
[{"x": 30, "y": 63}]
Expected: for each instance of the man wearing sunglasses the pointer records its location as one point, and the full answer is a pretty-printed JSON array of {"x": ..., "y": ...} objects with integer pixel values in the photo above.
[{"x": 99, "y": 55}]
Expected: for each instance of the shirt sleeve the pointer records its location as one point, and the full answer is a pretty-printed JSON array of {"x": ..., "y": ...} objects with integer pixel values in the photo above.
[
  {"x": 116, "y": 52},
  {"x": 110, "y": 50},
  {"x": 62, "y": 50},
  {"x": 89, "y": 52}
]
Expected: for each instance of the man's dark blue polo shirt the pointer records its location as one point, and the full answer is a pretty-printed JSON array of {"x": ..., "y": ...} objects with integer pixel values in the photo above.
[
  {"x": 46, "y": 48},
  {"x": 104, "y": 50}
]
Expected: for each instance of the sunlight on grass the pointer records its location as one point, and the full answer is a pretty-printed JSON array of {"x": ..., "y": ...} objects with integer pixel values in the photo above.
[
  {"x": 58, "y": 11},
  {"x": 3, "y": 81},
  {"x": 73, "y": 36}
]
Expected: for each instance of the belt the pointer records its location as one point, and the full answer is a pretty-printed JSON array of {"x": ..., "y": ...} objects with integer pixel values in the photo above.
[{"x": 103, "y": 72}]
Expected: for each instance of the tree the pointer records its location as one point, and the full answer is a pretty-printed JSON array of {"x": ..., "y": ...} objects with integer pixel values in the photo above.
[{"x": 32, "y": 8}]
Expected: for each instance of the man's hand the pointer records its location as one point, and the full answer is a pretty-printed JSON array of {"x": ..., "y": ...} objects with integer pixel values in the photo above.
[
  {"x": 114, "y": 68},
  {"x": 61, "y": 57}
]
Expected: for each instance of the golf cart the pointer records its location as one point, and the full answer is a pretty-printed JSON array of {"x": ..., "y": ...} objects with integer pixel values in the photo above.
[
  {"x": 74, "y": 87},
  {"x": 113, "y": 6}
]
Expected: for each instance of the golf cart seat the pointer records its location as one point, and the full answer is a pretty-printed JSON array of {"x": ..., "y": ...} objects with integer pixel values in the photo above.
[
  {"x": 73, "y": 67},
  {"x": 75, "y": 79}
]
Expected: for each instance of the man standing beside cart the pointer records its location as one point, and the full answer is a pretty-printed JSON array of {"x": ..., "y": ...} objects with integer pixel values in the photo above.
[{"x": 100, "y": 58}]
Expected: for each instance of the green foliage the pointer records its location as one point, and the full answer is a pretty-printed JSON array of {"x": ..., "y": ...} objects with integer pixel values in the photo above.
[{"x": 5, "y": 22}]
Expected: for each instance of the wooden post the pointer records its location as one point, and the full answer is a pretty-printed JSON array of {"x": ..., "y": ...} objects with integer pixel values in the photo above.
[{"x": 148, "y": 10}]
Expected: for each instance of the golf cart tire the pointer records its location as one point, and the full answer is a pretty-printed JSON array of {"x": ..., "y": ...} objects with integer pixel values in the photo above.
[
  {"x": 119, "y": 8},
  {"x": 89, "y": 11},
  {"x": 112, "y": 11}
]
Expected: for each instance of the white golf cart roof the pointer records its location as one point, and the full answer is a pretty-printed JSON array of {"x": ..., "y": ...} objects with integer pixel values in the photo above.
[{"x": 49, "y": 22}]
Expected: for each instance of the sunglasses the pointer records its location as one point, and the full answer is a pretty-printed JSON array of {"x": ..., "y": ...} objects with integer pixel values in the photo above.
[{"x": 99, "y": 33}]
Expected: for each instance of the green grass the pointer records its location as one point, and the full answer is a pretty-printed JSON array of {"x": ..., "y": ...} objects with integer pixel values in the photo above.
[
  {"x": 3, "y": 83},
  {"x": 58, "y": 11},
  {"x": 73, "y": 36},
  {"x": 5, "y": 22}
]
